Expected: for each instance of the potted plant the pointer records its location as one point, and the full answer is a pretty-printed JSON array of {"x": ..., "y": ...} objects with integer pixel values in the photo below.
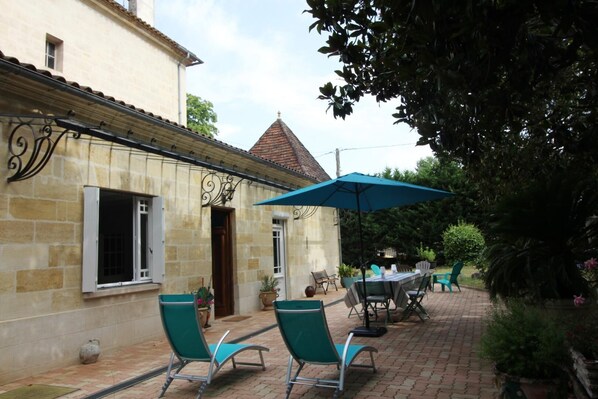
[
  {"x": 582, "y": 337},
  {"x": 268, "y": 291},
  {"x": 427, "y": 254},
  {"x": 347, "y": 274},
  {"x": 528, "y": 350}
]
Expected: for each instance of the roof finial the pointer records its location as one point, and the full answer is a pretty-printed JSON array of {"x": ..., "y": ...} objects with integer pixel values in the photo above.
[{"x": 279, "y": 115}]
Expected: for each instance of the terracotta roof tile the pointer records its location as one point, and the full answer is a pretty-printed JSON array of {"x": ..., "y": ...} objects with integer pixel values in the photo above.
[
  {"x": 279, "y": 144},
  {"x": 99, "y": 94}
]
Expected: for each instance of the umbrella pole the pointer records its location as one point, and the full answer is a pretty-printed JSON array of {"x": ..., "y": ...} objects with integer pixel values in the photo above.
[
  {"x": 365, "y": 331},
  {"x": 365, "y": 294}
]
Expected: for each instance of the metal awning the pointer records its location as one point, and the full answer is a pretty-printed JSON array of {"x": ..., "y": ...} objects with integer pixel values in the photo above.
[{"x": 65, "y": 107}]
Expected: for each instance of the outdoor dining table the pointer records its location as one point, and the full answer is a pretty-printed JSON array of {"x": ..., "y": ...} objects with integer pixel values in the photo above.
[{"x": 395, "y": 284}]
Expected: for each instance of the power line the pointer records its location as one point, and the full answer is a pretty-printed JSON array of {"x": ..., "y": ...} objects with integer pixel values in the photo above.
[{"x": 364, "y": 148}]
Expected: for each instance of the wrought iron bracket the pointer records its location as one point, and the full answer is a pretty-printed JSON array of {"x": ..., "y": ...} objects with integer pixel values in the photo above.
[
  {"x": 31, "y": 144},
  {"x": 304, "y": 212},
  {"x": 33, "y": 139},
  {"x": 218, "y": 189}
]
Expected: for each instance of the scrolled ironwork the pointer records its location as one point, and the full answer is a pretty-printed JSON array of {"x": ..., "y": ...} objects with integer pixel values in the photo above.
[
  {"x": 303, "y": 212},
  {"x": 217, "y": 189},
  {"x": 31, "y": 148}
]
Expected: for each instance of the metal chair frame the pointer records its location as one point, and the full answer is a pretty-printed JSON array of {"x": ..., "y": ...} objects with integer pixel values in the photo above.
[{"x": 305, "y": 332}]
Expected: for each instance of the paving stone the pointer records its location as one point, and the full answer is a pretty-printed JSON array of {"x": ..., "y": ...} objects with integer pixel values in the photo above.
[{"x": 434, "y": 359}]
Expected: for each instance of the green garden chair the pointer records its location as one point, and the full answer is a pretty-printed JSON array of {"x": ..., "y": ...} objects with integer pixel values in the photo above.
[
  {"x": 448, "y": 279},
  {"x": 305, "y": 332},
  {"x": 376, "y": 269},
  {"x": 181, "y": 324}
]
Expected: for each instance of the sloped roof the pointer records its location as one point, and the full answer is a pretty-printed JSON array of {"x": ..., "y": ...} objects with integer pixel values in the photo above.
[
  {"x": 58, "y": 97},
  {"x": 279, "y": 144}
]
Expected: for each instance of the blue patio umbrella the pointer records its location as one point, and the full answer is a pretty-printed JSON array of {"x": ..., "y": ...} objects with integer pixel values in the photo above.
[{"x": 364, "y": 194}]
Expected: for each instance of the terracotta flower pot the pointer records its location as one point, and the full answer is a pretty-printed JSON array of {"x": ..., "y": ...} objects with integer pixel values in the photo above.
[
  {"x": 586, "y": 372},
  {"x": 268, "y": 298},
  {"x": 514, "y": 386},
  {"x": 204, "y": 313}
]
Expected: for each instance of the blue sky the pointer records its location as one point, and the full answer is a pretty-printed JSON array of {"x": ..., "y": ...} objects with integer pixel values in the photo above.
[{"x": 260, "y": 59}]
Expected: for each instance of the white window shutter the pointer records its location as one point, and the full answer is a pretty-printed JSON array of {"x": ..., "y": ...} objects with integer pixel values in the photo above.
[
  {"x": 91, "y": 218},
  {"x": 158, "y": 240}
]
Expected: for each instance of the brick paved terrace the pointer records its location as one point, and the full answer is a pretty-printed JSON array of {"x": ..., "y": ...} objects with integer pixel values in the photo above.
[{"x": 432, "y": 359}]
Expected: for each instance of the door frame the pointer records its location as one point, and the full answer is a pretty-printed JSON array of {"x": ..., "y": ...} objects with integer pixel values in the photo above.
[
  {"x": 222, "y": 252},
  {"x": 281, "y": 276}
]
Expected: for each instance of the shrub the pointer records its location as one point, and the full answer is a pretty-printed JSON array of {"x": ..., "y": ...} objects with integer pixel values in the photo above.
[
  {"x": 523, "y": 341},
  {"x": 426, "y": 253},
  {"x": 540, "y": 234},
  {"x": 345, "y": 270},
  {"x": 463, "y": 242}
]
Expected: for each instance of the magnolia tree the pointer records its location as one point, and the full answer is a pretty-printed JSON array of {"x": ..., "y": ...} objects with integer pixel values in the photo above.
[{"x": 507, "y": 88}]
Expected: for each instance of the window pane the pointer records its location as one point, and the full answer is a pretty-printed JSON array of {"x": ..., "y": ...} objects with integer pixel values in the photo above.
[
  {"x": 50, "y": 55},
  {"x": 143, "y": 239},
  {"x": 115, "y": 247},
  {"x": 277, "y": 250}
]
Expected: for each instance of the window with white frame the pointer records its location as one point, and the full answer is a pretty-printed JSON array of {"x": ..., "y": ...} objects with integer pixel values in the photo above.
[
  {"x": 278, "y": 246},
  {"x": 123, "y": 239},
  {"x": 53, "y": 54}
]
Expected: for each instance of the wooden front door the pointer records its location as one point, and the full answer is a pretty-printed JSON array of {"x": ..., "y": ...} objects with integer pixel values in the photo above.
[{"x": 222, "y": 263}]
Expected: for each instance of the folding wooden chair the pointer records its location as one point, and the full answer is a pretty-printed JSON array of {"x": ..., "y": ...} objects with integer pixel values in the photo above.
[
  {"x": 379, "y": 295},
  {"x": 352, "y": 301},
  {"x": 323, "y": 280},
  {"x": 415, "y": 300}
]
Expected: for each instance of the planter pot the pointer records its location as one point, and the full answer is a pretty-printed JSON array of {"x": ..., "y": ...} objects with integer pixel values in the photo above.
[
  {"x": 204, "y": 314},
  {"x": 346, "y": 282},
  {"x": 310, "y": 291},
  {"x": 586, "y": 372},
  {"x": 268, "y": 298},
  {"x": 518, "y": 387}
]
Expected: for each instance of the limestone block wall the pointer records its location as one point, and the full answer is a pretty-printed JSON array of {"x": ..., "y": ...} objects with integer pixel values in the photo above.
[
  {"x": 97, "y": 50},
  {"x": 311, "y": 244},
  {"x": 45, "y": 317}
]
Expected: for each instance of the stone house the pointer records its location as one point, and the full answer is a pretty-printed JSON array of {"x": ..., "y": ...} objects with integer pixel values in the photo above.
[{"x": 107, "y": 199}]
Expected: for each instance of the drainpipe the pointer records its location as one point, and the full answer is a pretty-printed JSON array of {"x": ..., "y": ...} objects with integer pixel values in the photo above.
[{"x": 180, "y": 100}]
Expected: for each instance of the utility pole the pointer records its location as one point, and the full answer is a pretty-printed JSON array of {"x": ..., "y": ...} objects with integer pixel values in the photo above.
[{"x": 338, "y": 214}]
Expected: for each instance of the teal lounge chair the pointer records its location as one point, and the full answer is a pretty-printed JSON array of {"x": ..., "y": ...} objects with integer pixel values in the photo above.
[
  {"x": 181, "y": 324},
  {"x": 305, "y": 332},
  {"x": 448, "y": 279}
]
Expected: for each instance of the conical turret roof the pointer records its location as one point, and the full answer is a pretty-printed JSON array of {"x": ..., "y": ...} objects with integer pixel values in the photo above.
[{"x": 279, "y": 144}]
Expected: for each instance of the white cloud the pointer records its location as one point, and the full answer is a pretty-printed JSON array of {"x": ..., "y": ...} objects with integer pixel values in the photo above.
[{"x": 260, "y": 59}]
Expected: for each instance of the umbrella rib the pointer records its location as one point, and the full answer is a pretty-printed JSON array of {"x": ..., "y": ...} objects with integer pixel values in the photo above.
[{"x": 365, "y": 198}]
